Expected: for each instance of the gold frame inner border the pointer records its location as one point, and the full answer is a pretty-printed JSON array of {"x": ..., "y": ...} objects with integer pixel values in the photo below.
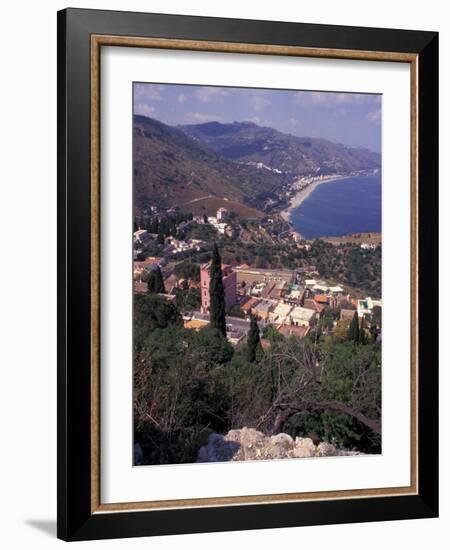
[{"x": 97, "y": 41}]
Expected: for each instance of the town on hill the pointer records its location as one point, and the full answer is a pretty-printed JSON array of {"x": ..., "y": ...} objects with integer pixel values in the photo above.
[
  {"x": 278, "y": 304},
  {"x": 240, "y": 323}
]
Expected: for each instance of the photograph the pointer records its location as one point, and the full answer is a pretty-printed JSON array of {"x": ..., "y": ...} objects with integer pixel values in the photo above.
[
  {"x": 256, "y": 234},
  {"x": 247, "y": 260}
]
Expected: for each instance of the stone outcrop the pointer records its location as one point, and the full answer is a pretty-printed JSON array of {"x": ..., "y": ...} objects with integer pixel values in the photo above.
[{"x": 250, "y": 444}]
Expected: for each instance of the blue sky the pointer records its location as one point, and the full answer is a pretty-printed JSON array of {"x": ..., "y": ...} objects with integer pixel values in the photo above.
[{"x": 349, "y": 118}]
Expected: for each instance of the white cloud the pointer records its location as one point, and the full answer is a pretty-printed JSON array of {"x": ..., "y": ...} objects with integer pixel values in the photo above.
[
  {"x": 259, "y": 102},
  {"x": 196, "y": 118},
  {"x": 144, "y": 109},
  {"x": 147, "y": 92},
  {"x": 374, "y": 116},
  {"x": 330, "y": 100},
  {"x": 205, "y": 94},
  {"x": 181, "y": 98}
]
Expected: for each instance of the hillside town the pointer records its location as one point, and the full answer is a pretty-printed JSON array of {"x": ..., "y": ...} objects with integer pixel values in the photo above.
[
  {"x": 257, "y": 280},
  {"x": 296, "y": 302}
]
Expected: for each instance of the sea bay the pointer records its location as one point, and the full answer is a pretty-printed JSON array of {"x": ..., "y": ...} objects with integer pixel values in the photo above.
[{"x": 340, "y": 207}]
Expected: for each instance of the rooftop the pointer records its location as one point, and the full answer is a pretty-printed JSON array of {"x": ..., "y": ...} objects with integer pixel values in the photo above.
[
  {"x": 282, "y": 310},
  {"x": 347, "y": 313},
  {"x": 293, "y": 330},
  {"x": 302, "y": 313},
  {"x": 147, "y": 263},
  {"x": 226, "y": 268},
  {"x": 264, "y": 306},
  {"x": 249, "y": 304},
  {"x": 195, "y": 324}
]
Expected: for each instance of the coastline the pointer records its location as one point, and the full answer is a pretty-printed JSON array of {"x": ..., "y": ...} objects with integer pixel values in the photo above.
[{"x": 304, "y": 193}]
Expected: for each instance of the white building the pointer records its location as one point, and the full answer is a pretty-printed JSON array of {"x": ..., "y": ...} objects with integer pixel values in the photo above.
[
  {"x": 302, "y": 317},
  {"x": 280, "y": 315},
  {"x": 336, "y": 290},
  {"x": 142, "y": 237},
  {"x": 366, "y": 306},
  {"x": 222, "y": 215},
  {"x": 218, "y": 226}
]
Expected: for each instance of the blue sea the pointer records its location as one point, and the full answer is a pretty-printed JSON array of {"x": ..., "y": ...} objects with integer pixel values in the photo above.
[{"x": 340, "y": 207}]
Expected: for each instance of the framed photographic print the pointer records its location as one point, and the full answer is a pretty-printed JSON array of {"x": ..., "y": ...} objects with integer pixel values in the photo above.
[{"x": 247, "y": 274}]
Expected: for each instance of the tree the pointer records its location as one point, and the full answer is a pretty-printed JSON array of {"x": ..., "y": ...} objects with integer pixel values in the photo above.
[
  {"x": 362, "y": 339},
  {"x": 297, "y": 377},
  {"x": 217, "y": 294},
  {"x": 188, "y": 270},
  {"x": 376, "y": 316},
  {"x": 353, "y": 329},
  {"x": 155, "y": 283},
  {"x": 253, "y": 340},
  {"x": 271, "y": 333},
  {"x": 151, "y": 312}
]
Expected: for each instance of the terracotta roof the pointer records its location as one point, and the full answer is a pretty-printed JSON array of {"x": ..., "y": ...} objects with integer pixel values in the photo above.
[
  {"x": 195, "y": 324},
  {"x": 226, "y": 268},
  {"x": 315, "y": 306},
  {"x": 250, "y": 304},
  {"x": 267, "y": 290},
  {"x": 147, "y": 263},
  {"x": 293, "y": 330},
  {"x": 321, "y": 298},
  {"x": 347, "y": 313},
  {"x": 141, "y": 287}
]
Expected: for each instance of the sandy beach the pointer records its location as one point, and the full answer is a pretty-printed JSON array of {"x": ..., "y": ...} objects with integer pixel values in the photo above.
[{"x": 304, "y": 193}]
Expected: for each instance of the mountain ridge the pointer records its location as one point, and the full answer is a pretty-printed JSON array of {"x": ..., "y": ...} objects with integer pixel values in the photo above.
[
  {"x": 172, "y": 168},
  {"x": 293, "y": 155},
  {"x": 240, "y": 162}
]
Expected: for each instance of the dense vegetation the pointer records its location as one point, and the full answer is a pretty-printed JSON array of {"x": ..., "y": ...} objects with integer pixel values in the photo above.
[{"x": 188, "y": 384}]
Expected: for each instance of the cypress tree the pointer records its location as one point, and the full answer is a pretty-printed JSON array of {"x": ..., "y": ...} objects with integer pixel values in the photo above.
[
  {"x": 217, "y": 294},
  {"x": 253, "y": 340},
  {"x": 373, "y": 332},
  {"x": 160, "y": 238},
  {"x": 353, "y": 329},
  {"x": 155, "y": 283},
  {"x": 362, "y": 332}
]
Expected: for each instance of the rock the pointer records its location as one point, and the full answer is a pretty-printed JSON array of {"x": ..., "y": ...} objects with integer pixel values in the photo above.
[
  {"x": 304, "y": 447},
  {"x": 326, "y": 449},
  {"x": 250, "y": 444},
  {"x": 280, "y": 446}
]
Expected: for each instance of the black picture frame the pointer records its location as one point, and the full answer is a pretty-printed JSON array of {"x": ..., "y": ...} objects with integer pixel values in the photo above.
[{"x": 75, "y": 518}]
